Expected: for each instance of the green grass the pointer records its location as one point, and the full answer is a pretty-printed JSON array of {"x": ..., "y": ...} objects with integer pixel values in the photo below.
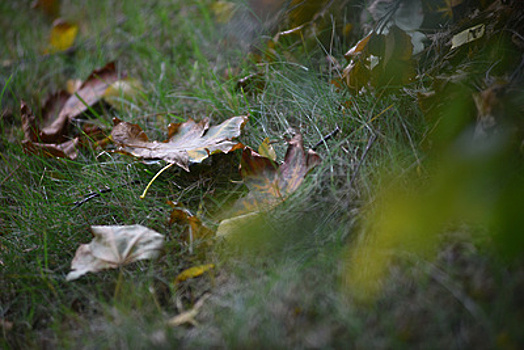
[{"x": 281, "y": 285}]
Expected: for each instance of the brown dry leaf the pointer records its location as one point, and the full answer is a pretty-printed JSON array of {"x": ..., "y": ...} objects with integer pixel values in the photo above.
[
  {"x": 380, "y": 60},
  {"x": 359, "y": 47},
  {"x": 396, "y": 65},
  {"x": 67, "y": 149},
  {"x": 187, "y": 143},
  {"x": 115, "y": 246},
  {"x": 62, "y": 37},
  {"x": 31, "y": 144},
  {"x": 197, "y": 230},
  {"x": 90, "y": 92},
  {"x": 29, "y": 123},
  {"x": 49, "y": 7},
  {"x": 270, "y": 184}
]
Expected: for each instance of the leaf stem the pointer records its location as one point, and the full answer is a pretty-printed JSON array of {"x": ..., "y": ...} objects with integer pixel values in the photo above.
[{"x": 143, "y": 195}]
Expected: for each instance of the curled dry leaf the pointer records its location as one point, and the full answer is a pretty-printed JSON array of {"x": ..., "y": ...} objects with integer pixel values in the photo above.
[
  {"x": 269, "y": 184},
  {"x": 187, "y": 143},
  {"x": 31, "y": 144},
  {"x": 89, "y": 93},
  {"x": 114, "y": 246}
]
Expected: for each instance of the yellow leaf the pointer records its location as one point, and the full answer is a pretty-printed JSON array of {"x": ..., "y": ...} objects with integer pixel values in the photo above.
[
  {"x": 223, "y": 11},
  {"x": 63, "y": 35},
  {"x": 467, "y": 36},
  {"x": 122, "y": 90},
  {"x": 193, "y": 272},
  {"x": 73, "y": 85},
  {"x": 237, "y": 223},
  {"x": 265, "y": 149}
]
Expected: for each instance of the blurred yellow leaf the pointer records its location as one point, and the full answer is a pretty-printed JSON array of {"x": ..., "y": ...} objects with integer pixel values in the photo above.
[
  {"x": 223, "y": 11},
  {"x": 122, "y": 90},
  {"x": 73, "y": 85},
  {"x": 237, "y": 223},
  {"x": 193, "y": 272},
  {"x": 63, "y": 35}
]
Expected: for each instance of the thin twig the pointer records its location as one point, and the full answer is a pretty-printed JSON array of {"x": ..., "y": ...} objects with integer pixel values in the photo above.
[
  {"x": 325, "y": 138},
  {"x": 98, "y": 193},
  {"x": 9, "y": 175}
]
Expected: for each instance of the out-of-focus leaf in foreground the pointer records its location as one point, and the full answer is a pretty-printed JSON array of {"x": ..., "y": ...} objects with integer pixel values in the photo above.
[
  {"x": 478, "y": 183},
  {"x": 268, "y": 183},
  {"x": 187, "y": 143},
  {"x": 223, "y": 10},
  {"x": 114, "y": 246}
]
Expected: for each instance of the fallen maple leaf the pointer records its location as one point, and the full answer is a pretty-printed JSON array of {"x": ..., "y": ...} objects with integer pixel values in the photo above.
[
  {"x": 187, "y": 143},
  {"x": 114, "y": 246},
  {"x": 269, "y": 184}
]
